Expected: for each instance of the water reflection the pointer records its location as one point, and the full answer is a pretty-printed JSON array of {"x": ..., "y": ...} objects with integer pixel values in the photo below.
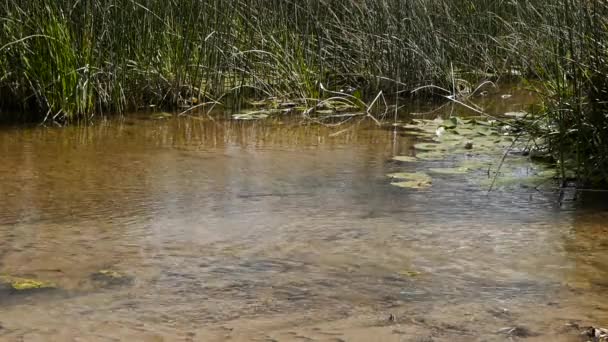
[{"x": 223, "y": 222}]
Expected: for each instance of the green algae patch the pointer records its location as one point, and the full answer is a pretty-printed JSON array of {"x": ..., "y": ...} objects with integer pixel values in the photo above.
[
  {"x": 415, "y": 180},
  {"x": 25, "y": 284}
]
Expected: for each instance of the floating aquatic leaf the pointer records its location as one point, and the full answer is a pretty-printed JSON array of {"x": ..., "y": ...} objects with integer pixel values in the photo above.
[
  {"x": 409, "y": 126},
  {"x": 518, "y": 115},
  {"x": 431, "y": 155},
  {"x": 511, "y": 181},
  {"x": 416, "y": 180},
  {"x": 405, "y": 159},
  {"x": 450, "y": 137},
  {"x": 251, "y": 115},
  {"x": 450, "y": 170},
  {"x": 464, "y": 131},
  {"x": 428, "y": 146},
  {"x": 422, "y": 134},
  {"x": 161, "y": 115},
  {"x": 474, "y": 165},
  {"x": 549, "y": 173},
  {"x": 412, "y": 184}
]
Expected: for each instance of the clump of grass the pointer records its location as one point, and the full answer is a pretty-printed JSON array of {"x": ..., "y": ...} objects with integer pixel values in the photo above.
[
  {"x": 78, "y": 58},
  {"x": 64, "y": 60}
]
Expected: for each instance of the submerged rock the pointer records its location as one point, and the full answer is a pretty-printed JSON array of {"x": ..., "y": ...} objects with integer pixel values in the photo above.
[
  {"x": 521, "y": 332},
  {"x": 111, "y": 278}
]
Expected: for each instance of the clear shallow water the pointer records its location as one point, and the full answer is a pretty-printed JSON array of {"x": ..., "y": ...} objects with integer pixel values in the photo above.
[{"x": 280, "y": 231}]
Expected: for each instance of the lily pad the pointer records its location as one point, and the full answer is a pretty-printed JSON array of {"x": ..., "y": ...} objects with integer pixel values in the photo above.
[
  {"x": 450, "y": 170},
  {"x": 407, "y": 159},
  {"x": 251, "y": 115},
  {"x": 431, "y": 155},
  {"x": 517, "y": 115},
  {"x": 475, "y": 165},
  {"x": 415, "y": 180},
  {"x": 413, "y": 184},
  {"x": 161, "y": 116},
  {"x": 428, "y": 146},
  {"x": 510, "y": 181}
]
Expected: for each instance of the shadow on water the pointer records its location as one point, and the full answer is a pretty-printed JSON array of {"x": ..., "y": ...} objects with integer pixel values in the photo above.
[{"x": 253, "y": 228}]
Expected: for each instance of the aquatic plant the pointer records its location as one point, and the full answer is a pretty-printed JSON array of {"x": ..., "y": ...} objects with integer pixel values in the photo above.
[
  {"x": 72, "y": 59},
  {"x": 475, "y": 148},
  {"x": 69, "y": 58},
  {"x": 24, "y": 284}
]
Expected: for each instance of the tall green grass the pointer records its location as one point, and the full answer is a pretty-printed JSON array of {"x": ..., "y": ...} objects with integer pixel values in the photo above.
[{"x": 68, "y": 59}]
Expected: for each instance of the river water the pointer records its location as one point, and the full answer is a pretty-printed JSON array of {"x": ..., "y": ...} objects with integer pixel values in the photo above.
[{"x": 276, "y": 230}]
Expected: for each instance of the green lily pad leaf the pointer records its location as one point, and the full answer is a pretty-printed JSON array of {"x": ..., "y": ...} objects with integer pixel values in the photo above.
[
  {"x": 251, "y": 115},
  {"x": 445, "y": 138},
  {"x": 475, "y": 165},
  {"x": 485, "y": 131},
  {"x": 161, "y": 115},
  {"x": 410, "y": 126},
  {"x": 427, "y": 146},
  {"x": 509, "y": 181},
  {"x": 421, "y": 134},
  {"x": 416, "y": 180},
  {"x": 431, "y": 155},
  {"x": 413, "y": 184},
  {"x": 465, "y": 132},
  {"x": 450, "y": 170},
  {"x": 549, "y": 173},
  {"x": 517, "y": 115},
  {"x": 450, "y": 123},
  {"x": 406, "y": 159}
]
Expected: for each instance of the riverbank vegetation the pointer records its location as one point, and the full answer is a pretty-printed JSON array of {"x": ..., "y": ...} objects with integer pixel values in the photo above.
[{"x": 61, "y": 60}]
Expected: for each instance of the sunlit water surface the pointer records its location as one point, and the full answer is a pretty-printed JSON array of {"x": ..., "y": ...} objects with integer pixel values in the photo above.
[{"x": 278, "y": 230}]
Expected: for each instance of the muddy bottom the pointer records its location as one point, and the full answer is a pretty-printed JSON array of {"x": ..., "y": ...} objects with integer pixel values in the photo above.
[{"x": 196, "y": 230}]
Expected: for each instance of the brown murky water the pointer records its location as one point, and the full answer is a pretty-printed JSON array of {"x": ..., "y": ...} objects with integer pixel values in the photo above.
[{"x": 278, "y": 231}]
